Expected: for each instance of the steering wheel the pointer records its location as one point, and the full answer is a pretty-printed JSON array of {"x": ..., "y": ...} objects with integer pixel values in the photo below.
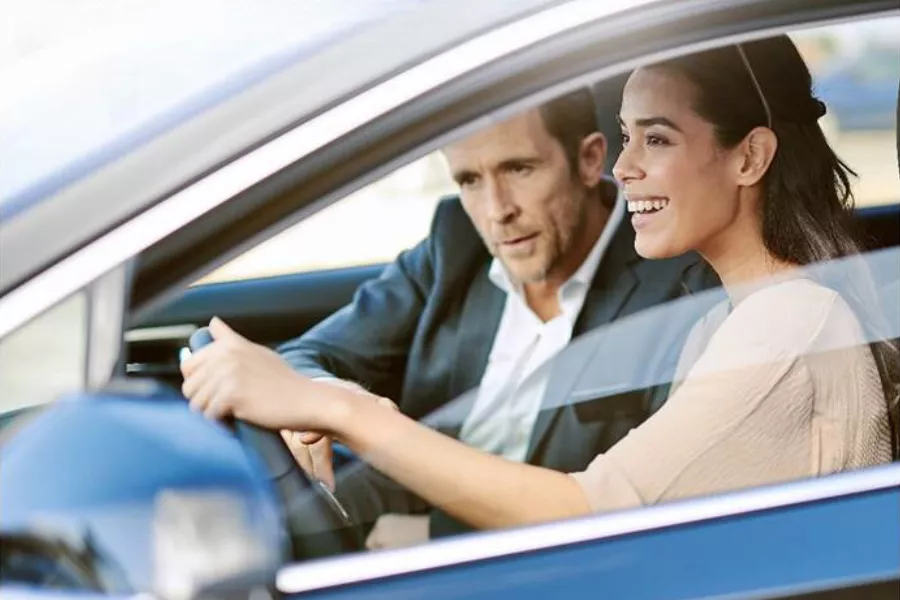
[{"x": 316, "y": 521}]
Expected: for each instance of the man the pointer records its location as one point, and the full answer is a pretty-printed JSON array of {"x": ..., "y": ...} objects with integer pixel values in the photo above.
[{"x": 534, "y": 252}]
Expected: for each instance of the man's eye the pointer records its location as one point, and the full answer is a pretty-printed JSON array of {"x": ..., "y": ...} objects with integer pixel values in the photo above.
[
  {"x": 521, "y": 169},
  {"x": 465, "y": 181},
  {"x": 625, "y": 138}
]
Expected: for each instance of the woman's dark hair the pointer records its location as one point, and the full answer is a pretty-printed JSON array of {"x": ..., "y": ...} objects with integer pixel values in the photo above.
[{"x": 808, "y": 203}]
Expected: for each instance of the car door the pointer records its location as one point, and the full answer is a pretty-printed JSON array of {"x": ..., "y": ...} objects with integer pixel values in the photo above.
[{"x": 805, "y": 540}]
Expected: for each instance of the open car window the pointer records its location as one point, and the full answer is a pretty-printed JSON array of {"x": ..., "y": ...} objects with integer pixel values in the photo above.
[
  {"x": 633, "y": 365},
  {"x": 854, "y": 70}
]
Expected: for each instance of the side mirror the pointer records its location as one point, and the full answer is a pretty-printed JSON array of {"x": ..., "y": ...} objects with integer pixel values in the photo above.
[{"x": 128, "y": 491}]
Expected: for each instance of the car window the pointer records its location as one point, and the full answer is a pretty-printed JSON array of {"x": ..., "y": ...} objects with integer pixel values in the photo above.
[
  {"x": 855, "y": 73},
  {"x": 855, "y": 69},
  {"x": 44, "y": 358},
  {"x": 368, "y": 227},
  {"x": 614, "y": 378}
]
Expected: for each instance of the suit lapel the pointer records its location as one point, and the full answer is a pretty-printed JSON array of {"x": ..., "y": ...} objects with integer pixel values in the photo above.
[
  {"x": 612, "y": 286},
  {"x": 479, "y": 322}
]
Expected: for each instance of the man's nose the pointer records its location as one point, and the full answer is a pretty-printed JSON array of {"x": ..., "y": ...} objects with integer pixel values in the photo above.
[{"x": 501, "y": 206}]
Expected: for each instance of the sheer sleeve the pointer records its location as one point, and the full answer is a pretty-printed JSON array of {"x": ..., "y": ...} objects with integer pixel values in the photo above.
[{"x": 740, "y": 417}]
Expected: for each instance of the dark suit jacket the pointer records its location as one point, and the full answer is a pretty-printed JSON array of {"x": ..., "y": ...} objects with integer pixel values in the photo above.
[{"x": 421, "y": 333}]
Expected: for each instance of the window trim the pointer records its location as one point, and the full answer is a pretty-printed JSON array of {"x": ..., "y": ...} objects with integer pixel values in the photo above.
[{"x": 347, "y": 570}]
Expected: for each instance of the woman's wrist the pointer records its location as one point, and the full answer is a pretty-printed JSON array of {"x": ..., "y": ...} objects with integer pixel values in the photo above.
[{"x": 338, "y": 408}]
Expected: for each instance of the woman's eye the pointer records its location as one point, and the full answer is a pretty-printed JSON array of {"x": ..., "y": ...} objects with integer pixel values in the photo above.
[
  {"x": 625, "y": 139},
  {"x": 655, "y": 140}
]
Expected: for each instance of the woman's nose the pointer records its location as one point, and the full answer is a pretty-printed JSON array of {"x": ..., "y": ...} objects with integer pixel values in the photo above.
[{"x": 626, "y": 167}]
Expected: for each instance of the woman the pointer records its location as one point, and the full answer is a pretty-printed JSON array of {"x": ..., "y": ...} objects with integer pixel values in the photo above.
[{"x": 723, "y": 155}]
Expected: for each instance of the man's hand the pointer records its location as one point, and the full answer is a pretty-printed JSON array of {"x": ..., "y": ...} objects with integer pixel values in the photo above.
[
  {"x": 313, "y": 450},
  {"x": 398, "y": 531},
  {"x": 315, "y": 457}
]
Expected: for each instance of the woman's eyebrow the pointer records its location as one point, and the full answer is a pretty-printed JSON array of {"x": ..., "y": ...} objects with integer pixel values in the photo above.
[{"x": 650, "y": 121}]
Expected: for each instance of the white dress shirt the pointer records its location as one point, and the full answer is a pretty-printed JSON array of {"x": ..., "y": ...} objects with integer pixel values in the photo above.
[{"x": 511, "y": 392}]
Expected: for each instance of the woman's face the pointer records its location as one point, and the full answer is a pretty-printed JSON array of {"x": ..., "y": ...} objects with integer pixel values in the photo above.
[{"x": 681, "y": 185}]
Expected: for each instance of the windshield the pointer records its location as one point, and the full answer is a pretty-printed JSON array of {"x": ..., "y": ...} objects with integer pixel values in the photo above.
[{"x": 84, "y": 82}]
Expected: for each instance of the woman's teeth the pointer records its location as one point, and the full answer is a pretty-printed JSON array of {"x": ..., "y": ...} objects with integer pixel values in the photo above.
[{"x": 646, "y": 205}]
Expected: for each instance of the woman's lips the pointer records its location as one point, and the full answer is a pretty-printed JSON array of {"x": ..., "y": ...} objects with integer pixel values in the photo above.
[{"x": 646, "y": 209}]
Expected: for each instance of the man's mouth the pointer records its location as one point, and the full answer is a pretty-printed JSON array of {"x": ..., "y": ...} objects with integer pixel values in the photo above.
[{"x": 512, "y": 242}]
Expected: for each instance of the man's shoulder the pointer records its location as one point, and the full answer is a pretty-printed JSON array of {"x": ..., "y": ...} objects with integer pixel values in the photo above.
[
  {"x": 452, "y": 233},
  {"x": 450, "y": 217},
  {"x": 450, "y": 253}
]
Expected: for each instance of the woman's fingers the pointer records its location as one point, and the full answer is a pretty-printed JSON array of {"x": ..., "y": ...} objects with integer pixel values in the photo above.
[{"x": 387, "y": 403}]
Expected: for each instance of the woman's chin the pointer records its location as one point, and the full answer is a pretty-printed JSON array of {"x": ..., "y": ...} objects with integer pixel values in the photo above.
[{"x": 653, "y": 248}]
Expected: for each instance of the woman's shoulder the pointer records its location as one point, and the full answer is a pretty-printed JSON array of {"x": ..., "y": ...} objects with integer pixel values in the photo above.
[{"x": 787, "y": 317}]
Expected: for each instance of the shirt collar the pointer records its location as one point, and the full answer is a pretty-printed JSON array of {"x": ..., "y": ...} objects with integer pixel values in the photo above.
[{"x": 584, "y": 275}]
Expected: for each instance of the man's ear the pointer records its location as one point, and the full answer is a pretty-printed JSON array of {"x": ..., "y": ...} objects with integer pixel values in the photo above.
[
  {"x": 592, "y": 159},
  {"x": 756, "y": 154}
]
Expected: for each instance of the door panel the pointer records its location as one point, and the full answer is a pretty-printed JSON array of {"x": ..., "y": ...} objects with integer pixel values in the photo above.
[{"x": 847, "y": 547}]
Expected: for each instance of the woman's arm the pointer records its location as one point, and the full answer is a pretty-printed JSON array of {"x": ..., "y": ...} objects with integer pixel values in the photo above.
[
  {"x": 236, "y": 377},
  {"x": 481, "y": 489}
]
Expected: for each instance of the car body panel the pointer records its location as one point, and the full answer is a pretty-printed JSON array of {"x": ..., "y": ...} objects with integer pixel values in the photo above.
[
  {"x": 766, "y": 554},
  {"x": 90, "y": 472}
]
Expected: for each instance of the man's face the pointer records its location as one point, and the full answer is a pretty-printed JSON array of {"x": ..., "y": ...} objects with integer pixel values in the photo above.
[{"x": 518, "y": 188}]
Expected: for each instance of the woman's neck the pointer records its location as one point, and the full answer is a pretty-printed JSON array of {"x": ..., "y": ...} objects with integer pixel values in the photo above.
[{"x": 743, "y": 264}]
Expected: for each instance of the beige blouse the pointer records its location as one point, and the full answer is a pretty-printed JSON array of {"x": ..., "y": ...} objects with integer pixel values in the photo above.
[{"x": 784, "y": 389}]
